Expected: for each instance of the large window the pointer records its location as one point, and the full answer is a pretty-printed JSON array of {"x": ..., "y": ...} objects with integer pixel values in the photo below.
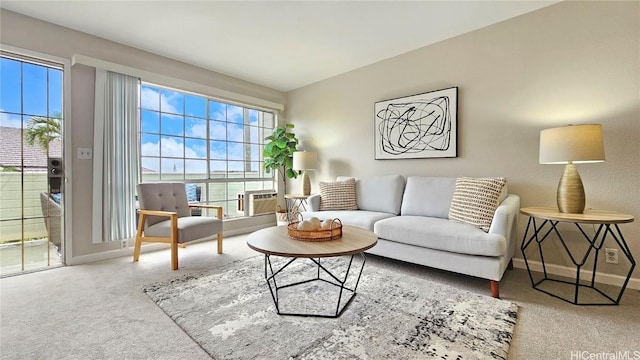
[{"x": 196, "y": 139}]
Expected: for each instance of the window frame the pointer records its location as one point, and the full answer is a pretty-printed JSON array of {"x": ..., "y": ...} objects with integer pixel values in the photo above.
[
  {"x": 67, "y": 152},
  {"x": 262, "y": 128}
]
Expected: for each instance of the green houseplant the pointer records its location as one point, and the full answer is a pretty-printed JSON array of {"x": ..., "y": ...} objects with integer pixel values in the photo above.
[{"x": 278, "y": 153}]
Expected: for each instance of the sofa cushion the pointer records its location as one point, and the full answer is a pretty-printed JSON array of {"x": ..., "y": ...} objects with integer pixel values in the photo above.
[
  {"x": 475, "y": 201},
  {"x": 338, "y": 195},
  {"x": 359, "y": 218},
  {"x": 428, "y": 196},
  {"x": 379, "y": 193},
  {"x": 440, "y": 234}
]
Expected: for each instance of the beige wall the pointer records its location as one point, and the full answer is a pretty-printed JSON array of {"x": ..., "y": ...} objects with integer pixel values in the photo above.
[
  {"x": 573, "y": 62},
  {"x": 34, "y": 35}
]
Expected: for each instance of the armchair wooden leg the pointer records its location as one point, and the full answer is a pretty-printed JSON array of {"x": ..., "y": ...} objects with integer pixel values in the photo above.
[
  {"x": 136, "y": 249},
  {"x": 174, "y": 255},
  {"x": 220, "y": 243},
  {"x": 495, "y": 288},
  {"x": 174, "y": 243}
]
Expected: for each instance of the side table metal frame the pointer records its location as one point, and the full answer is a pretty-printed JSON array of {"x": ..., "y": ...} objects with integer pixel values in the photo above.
[
  {"x": 294, "y": 204},
  {"x": 539, "y": 236},
  {"x": 270, "y": 276}
]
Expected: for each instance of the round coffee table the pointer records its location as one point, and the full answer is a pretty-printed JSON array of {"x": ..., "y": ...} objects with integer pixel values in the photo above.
[{"x": 274, "y": 241}]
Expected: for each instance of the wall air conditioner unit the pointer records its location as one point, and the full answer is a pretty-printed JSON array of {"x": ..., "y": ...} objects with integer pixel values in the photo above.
[{"x": 262, "y": 203}]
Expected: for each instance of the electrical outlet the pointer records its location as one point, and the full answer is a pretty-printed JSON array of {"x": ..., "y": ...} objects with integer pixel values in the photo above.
[
  {"x": 123, "y": 244},
  {"x": 85, "y": 153},
  {"x": 611, "y": 256}
]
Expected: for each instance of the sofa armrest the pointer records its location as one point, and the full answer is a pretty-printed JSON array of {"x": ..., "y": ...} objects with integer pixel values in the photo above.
[
  {"x": 313, "y": 202},
  {"x": 505, "y": 222}
]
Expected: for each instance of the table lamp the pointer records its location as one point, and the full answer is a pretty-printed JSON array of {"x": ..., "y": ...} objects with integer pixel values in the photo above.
[
  {"x": 305, "y": 160},
  {"x": 570, "y": 145}
]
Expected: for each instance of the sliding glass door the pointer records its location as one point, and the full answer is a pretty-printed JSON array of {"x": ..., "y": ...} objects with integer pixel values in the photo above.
[{"x": 31, "y": 164}]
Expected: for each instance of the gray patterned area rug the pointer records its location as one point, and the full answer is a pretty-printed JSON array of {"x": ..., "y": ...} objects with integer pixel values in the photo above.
[{"x": 230, "y": 313}]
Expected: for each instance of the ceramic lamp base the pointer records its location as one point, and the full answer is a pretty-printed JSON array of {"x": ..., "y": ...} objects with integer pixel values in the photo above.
[
  {"x": 306, "y": 184},
  {"x": 570, "y": 196}
]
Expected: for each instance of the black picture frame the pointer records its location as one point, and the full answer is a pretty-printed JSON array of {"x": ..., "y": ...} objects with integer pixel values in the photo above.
[{"x": 417, "y": 126}]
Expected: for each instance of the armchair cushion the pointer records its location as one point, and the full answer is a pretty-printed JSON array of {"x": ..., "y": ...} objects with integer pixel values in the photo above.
[
  {"x": 163, "y": 197},
  {"x": 189, "y": 228}
]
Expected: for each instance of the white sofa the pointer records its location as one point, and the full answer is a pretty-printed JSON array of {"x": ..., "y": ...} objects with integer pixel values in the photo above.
[{"x": 411, "y": 221}]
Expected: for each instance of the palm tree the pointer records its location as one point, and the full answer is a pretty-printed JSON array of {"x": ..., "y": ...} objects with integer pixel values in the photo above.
[{"x": 43, "y": 130}]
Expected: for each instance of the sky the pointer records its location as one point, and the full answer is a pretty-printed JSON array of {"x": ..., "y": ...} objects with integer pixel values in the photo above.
[
  {"x": 44, "y": 86},
  {"x": 173, "y": 124}
]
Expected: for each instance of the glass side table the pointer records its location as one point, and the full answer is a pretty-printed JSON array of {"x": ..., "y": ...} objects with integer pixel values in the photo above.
[{"x": 543, "y": 221}]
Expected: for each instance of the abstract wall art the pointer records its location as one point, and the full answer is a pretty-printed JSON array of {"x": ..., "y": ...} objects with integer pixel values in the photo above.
[{"x": 417, "y": 126}]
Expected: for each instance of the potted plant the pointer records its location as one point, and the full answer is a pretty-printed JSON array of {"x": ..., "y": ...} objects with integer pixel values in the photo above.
[{"x": 278, "y": 156}]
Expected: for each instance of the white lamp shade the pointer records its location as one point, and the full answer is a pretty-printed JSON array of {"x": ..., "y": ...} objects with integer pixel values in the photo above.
[
  {"x": 304, "y": 160},
  {"x": 573, "y": 143}
]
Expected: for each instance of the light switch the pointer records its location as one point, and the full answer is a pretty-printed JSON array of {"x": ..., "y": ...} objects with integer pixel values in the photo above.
[{"x": 85, "y": 153}]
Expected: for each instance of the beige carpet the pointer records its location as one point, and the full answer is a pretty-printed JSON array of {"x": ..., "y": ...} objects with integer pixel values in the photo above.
[{"x": 98, "y": 311}]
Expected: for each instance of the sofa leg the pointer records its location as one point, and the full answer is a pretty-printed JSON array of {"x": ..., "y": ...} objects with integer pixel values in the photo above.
[
  {"x": 495, "y": 288},
  {"x": 510, "y": 265}
]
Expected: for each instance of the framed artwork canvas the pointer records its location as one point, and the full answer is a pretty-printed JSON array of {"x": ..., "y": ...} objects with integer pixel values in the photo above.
[{"x": 417, "y": 126}]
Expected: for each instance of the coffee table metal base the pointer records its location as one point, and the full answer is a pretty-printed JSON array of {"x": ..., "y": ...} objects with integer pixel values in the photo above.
[{"x": 274, "y": 287}]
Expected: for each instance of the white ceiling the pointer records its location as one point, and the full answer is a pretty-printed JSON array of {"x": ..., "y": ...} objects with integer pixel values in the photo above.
[{"x": 280, "y": 44}]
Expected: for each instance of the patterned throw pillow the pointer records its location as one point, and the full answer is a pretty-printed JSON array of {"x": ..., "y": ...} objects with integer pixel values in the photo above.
[
  {"x": 339, "y": 195},
  {"x": 57, "y": 198},
  {"x": 475, "y": 200},
  {"x": 192, "y": 195}
]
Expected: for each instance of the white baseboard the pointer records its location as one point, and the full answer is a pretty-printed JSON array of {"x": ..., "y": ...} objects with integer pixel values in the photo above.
[
  {"x": 112, "y": 254},
  {"x": 247, "y": 229},
  {"x": 128, "y": 251},
  {"x": 569, "y": 272}
]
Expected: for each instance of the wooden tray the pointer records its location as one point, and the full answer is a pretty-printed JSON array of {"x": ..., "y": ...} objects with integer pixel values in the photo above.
[{"x": 315, "y": 235}]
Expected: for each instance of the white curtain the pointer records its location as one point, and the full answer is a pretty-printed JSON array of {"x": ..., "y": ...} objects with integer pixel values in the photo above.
[{"x": 115, "y": 166}]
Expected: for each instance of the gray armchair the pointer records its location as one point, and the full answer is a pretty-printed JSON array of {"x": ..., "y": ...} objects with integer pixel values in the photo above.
[{"x": 165, "y": 216}]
